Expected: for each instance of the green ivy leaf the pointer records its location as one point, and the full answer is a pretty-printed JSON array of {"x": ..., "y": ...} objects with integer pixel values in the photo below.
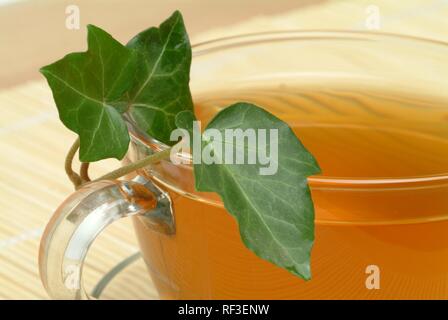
[
  {"x": 161, "y": 87},
  {"x": 148, "y": 79},
  {"x": 87, "y": 87},
  {"x": 275, "y": 212},
  {"x": 185, "y": 121}
]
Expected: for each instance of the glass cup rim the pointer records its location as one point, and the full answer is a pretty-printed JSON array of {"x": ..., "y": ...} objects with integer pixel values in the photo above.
[{"x": 317, "y": 182}]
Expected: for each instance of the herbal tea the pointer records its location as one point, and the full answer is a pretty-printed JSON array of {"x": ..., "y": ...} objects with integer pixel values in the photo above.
[{"x": 380, "y": 201}]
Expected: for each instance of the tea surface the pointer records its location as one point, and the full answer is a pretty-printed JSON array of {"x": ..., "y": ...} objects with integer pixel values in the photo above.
[{"x": 355, "y": 134}]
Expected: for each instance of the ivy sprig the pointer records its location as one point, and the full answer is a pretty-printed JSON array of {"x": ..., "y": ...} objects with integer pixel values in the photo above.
[{"x": 146, "y": 82}]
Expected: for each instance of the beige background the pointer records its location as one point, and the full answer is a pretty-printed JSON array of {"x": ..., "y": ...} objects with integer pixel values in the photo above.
[{"x": 33, "y": 143}]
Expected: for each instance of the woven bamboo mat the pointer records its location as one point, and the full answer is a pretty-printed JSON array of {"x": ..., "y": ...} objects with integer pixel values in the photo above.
[{"x": 33, "y": 144}]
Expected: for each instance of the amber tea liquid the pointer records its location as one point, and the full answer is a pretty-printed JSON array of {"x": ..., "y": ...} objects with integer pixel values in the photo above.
[{"x": 382, "y": 200}]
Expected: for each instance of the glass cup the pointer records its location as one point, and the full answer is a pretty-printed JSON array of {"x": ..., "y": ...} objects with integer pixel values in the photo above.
[{"x": 393, "y": 229}]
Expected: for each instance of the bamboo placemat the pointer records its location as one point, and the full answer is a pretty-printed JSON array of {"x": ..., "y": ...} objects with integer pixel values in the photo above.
[{"x": 33, "y": 144}]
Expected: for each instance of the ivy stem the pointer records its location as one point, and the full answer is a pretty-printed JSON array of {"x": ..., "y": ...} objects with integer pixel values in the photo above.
[
  {"x": 73, "y": 176},
  {"x": 79, "y": 180},
  {"x": 84, "y": 172},
  {"x": 153, "y": 158}
]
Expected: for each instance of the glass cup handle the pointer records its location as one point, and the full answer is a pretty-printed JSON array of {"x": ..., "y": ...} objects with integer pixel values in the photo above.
[{"x": 80, "y": 219}]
